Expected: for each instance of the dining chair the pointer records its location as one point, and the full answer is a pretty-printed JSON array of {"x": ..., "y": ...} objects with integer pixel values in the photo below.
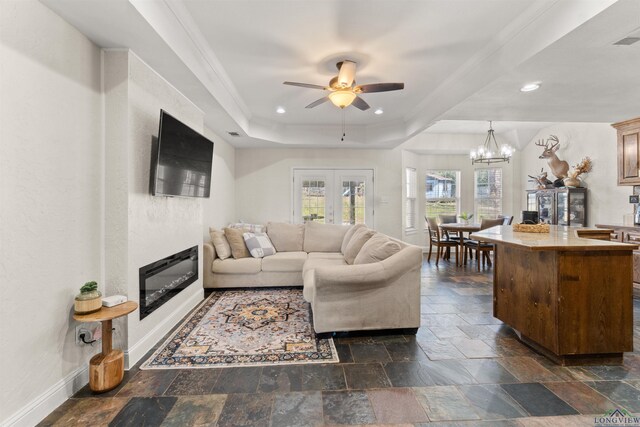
[
  {"x": 506, "y": 219},
  {"x": 482, "y": 249},
  {"x": 449, "y": 235},
  {"x": 439, "y": 241}
]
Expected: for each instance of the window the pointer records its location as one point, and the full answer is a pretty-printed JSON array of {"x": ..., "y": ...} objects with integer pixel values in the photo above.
[
  {"x": 488, "y": 193},
  {"x": 442, "y": 193},
  {"x": 410, "y": 203}
]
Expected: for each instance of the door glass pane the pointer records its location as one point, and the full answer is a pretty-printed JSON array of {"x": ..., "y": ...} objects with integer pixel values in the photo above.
[
  {"x": 563, "y": 209},
  {"x": 313, "y": 200},
  {"x": 545, "y": 204},
  {"x": 353, "y": 205},
  {"x": 576, "y": 210},
  {"x": 531, "y": 202}
]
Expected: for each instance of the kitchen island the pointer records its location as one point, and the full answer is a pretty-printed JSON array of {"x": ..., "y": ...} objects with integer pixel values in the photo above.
[{"x": 568, "y": 297}]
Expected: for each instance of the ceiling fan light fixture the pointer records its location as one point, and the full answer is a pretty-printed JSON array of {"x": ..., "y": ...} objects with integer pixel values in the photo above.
[
  {"x": 342, "y": 98},
  {"x": 346, "y": 74}
]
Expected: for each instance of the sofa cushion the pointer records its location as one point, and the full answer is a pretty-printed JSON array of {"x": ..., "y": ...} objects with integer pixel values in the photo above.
[
  {"x": 348, "y": 235},
  {"x": 359, "y": 238},
  {"x": 326, "y": 255},
  {"x": 286, "y": 237},
  {"x": 284, "y": 261},
  {"x": 378, "y": 248},
  {"x": 321, "y": 262},
  {"x": 236, "y": 241},
  {"x": 220, "y": 243},
  {"x": 258, "y": 244},
  {"x": 237, "y": 266},
  {"x": 323, "y": 237}
]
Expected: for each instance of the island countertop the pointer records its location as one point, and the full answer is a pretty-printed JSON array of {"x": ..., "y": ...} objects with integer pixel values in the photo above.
[{"x": 559, "y": 238}]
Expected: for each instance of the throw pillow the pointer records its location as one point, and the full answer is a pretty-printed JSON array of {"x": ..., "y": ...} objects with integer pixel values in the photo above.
[
  {"x": 258, "y": 244},
  {"x": 236, "y": 241},
  {"x": 348, "y": 236},
  {"x": 378, "y": 248},
  {"x": 248, "y": 228},
  {"x": 360, "y": 237},
  {"x": 286, "y": 237},
  {"x": 220, "y": 243}
]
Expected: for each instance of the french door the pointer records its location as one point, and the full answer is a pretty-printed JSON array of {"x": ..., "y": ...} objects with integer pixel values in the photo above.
[{"x": 333, "y": 196}]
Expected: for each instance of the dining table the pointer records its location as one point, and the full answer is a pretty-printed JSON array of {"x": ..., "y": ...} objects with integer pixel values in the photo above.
[{"x": 460, "y": 228}]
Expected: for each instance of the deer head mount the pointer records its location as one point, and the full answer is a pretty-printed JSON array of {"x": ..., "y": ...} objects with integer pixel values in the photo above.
[
  {"x": 559, "y": 168},
  {"x": 541, "y": 179}
]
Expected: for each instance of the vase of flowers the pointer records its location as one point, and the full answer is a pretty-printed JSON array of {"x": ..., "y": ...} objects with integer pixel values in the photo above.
[
  {"x": 88, "y": 300},
  {"x": 572, "y": 179},
  {"x": 465, "y": 217}
]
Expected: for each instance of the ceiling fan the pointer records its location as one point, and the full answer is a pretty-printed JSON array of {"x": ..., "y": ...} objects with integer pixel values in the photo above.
[{"x": 343, "y": 90}]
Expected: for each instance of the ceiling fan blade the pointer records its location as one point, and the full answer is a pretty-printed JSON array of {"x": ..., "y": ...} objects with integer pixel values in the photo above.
[
  {"x": 347, "y": 73},
  {"x": 307, "y": 85},
  {"x": 318, "y": 102},
  {"x": 360, "y": 104},
  {"x": 378, "y": 87}
]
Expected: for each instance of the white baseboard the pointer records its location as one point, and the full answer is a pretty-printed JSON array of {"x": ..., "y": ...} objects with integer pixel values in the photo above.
[
  {"x": 36, "y": 410},
  {"x": 139, "y": 349}
]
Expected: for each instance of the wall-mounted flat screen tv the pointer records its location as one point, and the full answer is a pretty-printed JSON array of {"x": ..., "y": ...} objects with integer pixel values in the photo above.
[{"x": 183, "y": 162}]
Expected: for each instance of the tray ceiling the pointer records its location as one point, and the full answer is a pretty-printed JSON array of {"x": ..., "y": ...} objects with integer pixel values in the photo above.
[{"x": 463, "y": 59}]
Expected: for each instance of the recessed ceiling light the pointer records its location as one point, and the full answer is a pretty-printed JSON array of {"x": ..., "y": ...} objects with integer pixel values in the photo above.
[
  {"x": 530, "y": 87},
  {"x": 280, "y": 110},
  {"x": 378, "y": 111}
]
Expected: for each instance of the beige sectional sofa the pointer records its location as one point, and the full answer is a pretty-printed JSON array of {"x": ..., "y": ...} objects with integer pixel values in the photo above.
[{"x": 351, "y": 287}]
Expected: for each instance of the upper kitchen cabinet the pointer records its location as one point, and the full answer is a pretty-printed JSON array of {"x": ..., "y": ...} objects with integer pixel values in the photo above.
[{"x": 628, "y": 151}]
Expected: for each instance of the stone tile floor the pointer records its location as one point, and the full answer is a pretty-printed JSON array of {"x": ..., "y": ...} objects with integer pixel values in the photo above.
[{"x": 463, "y": 367}]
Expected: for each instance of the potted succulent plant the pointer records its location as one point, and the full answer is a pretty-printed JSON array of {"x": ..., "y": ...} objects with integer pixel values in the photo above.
[{"x": 89, "y": 299}]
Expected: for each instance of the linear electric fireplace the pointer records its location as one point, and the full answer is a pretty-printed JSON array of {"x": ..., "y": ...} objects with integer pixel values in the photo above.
[{"x": 162, "y": 280}]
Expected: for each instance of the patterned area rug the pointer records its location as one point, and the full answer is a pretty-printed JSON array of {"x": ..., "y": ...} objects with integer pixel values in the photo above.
[{"x": 256, "y": 327}]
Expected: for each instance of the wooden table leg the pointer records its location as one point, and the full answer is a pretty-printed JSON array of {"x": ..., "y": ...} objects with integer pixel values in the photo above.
[
  {"x": 107, "y": 329},
  {"x": 106, "y": 370},
  {"x": 460, "y": 261}
]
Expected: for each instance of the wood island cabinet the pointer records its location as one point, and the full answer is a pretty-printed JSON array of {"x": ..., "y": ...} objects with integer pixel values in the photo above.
[
  {"x": 628, "y": 234},
  {"x": 566, "y": 296},
  {"x": 628, "y": 151}
]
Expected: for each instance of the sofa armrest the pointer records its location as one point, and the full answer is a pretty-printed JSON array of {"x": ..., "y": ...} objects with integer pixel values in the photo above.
[
  {"x": 207, "y": 262},
  {"x": 370, "y": 275},
  {"x": 380, "y": 295}
]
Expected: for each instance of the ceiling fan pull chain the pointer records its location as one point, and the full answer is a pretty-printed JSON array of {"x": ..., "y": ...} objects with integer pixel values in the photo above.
[{"x": 344, "y": 131}]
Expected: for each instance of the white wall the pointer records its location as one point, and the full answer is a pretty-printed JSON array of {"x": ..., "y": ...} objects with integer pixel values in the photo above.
[
  {"x": 51, "y": 155},
  {"x": 264, "y": 181},
  {"x": 219, "y": 209},
  {"x": 156, "y": 227},
  {"x": 608, "y": 202}
]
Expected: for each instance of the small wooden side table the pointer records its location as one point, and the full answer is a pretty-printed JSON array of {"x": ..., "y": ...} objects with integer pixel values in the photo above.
[{"x": 106, "y": 369}]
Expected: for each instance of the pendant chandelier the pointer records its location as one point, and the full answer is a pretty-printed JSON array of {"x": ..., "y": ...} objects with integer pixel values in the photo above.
[{"x": 490, "y": 152}]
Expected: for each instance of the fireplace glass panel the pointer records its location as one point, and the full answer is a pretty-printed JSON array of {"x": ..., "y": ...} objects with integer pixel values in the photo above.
[{"x": 162, "y": 280}]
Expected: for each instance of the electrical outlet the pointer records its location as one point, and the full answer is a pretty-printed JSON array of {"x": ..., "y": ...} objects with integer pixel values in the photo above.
[{"x": 89, "y": 330}]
